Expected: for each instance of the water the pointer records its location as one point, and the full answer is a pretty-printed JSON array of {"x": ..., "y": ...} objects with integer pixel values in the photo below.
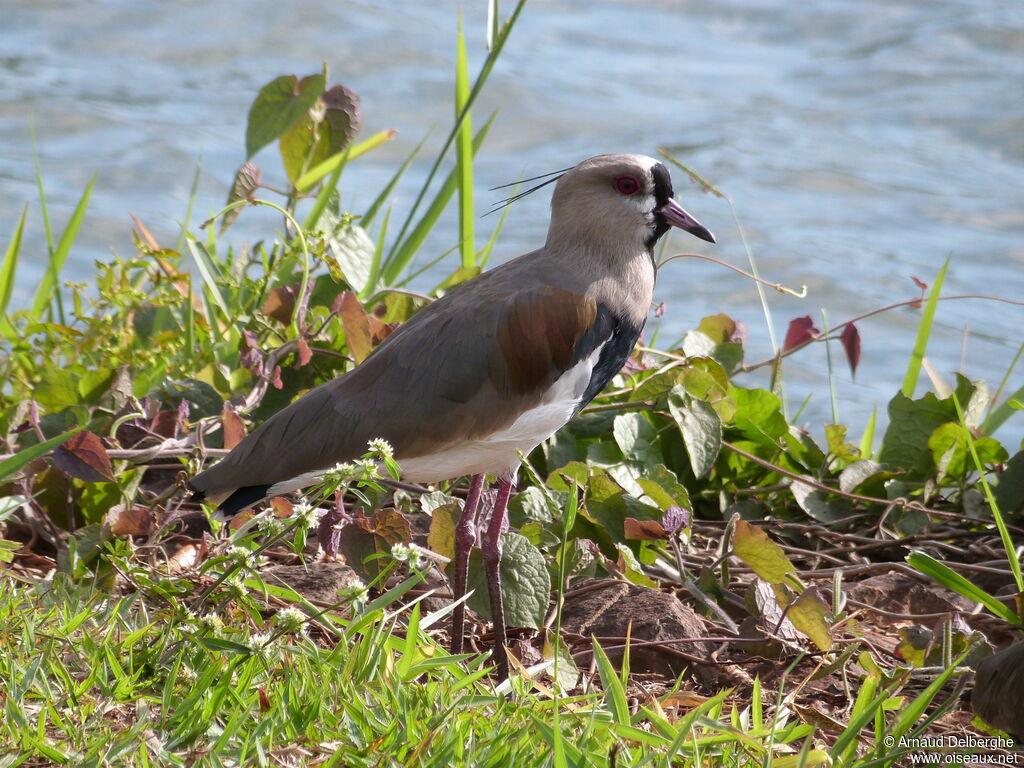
[{"x": 861, "y": 142}]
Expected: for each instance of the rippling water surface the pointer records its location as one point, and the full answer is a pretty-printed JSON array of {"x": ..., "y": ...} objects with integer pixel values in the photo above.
[{"x": 861, "y": 142}]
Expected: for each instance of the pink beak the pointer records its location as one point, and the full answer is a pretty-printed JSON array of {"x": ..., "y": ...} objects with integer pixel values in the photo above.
[{"x": 677, "y": 217}]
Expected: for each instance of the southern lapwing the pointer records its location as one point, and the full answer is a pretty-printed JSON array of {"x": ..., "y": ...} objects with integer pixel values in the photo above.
[{"x": 493, "y": 368}]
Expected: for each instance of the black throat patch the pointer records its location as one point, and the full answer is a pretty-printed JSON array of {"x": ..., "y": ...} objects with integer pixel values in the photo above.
[{"x": 662, "y": 194}]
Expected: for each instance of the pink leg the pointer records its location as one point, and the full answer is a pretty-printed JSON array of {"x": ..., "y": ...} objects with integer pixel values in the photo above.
[
  {"x": 492, "y": 562},
  {"x": 465, "y": 540}
]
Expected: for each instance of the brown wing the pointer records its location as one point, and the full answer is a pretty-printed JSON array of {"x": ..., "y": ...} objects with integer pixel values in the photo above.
[{"x": 461, "y": 368}]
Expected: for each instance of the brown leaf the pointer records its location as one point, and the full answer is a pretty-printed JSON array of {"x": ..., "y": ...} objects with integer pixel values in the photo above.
[
  {"x": 920, "y": 284},
  {"x": 644, "y": 530},
  {"x": 280, "y": 303},
  {"x": 800, "y": 331},
  {"x": 342, "y": 116},
  {"x": 356, "y": 323},
  {"x": 264, "y": 699},
  {"x": 130, "y": 521},
  {"x": 83, "y": 456},
  {"x": 234, "y": 428},
  {"x": 165, "y": 423},
  {"x": 391, "y": 525},
  {"x": 850, "y": 339},
  {"x": 281, "y": 506}
]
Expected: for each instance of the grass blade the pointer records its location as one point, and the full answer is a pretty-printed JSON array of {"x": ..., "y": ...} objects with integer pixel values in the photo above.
[
  {"x": 323, "y": 196},
  {"x": 60, "y": 254},
  {"x": 947, "y": 577},
  {"x": 193, "y": 193},
  {"x": 498, "y": 42},
  {"x": 1002, "y": 413},
  {"x": 308, "y": 180},
  {"x": 209, "y": 270},
  {"x": 867, "y": 441},
  {"x": 10, "y": 265},
  {"x": 464, "y": 153},
  {"x": 924, "y": 331},
  {"x": 371, "y": 212},
  {"x": 403, "y": 253},
  {"x": 614, "y": 691}
]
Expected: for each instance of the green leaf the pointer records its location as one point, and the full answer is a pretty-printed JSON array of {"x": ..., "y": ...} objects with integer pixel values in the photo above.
[
  {"x": 924, "y": 331},
  {"x": 278, "y": 106},
  {"x": 615, "y": 693},
  {"x": 525, "y": 583},
  {"x": 7, "y": 550},
  {"x": 949, "y": 446},
  {"x": 700, "y": 426},
  {"x": 808, "y": 613},
  {"x": 759, "y": 415},
  {"x": 752, "y": 546},
  {"x": 911, "y": 424},
  {"x": 441, "y": 536},
  {"x": 354, "y": 252},
  {"x": 326, "y": 130},
  {"x": 636, "y": 437},
  {"x": 858, "y": 472}
]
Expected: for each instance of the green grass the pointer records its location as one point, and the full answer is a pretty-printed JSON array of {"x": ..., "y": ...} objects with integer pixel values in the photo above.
[{"x": 120, "y": 658}]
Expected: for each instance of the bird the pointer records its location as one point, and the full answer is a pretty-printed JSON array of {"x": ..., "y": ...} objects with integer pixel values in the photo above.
[
  {"x": 488, "y": 371},
  {"x": 998, "y": 696}
]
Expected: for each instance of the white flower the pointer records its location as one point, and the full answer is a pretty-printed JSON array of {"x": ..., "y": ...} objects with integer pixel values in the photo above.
[
  {"x": 306, "y": 515},
  {"x": 357, "y": 592},
  {"x": 242, "y": 556},
  {"x": 406, "y": 553},
  {"x": 291, "y": 620},
  {"x": 381, "y": 448},
  {"x": 341, "y": 473}
]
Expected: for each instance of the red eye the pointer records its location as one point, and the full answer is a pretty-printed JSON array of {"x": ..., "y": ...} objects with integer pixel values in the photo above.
[{"x": 627, "y": 185}]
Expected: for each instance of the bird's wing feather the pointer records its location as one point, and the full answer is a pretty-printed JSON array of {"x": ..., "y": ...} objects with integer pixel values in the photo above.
[{"x": 457, "y": 370}]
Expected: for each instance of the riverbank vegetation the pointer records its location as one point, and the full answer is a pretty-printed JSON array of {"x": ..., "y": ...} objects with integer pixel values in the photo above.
[{"x": 820, "y": 594}]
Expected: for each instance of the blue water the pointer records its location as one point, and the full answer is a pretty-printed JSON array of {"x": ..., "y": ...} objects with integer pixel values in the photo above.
[{"x": 861, "y": 143}]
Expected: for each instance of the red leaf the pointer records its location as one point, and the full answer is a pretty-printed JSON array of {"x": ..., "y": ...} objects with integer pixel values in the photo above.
[
  {"x": 264, "y": 699},
  {"x": 800, "y": 331},
  {"x": 276, "y": 380},
  {"x": 922, "y": 285},
  {"x": 84, "y": 457},
  {"x": 850, "y": 339},
  {"x": 305, "y": 353}
]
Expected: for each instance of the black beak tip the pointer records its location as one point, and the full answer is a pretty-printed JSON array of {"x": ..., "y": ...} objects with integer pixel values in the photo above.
[{"x": 703, "y": 233}]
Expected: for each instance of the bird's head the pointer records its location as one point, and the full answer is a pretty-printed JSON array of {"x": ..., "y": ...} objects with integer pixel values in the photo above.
[{"x": 621, "y": 202}]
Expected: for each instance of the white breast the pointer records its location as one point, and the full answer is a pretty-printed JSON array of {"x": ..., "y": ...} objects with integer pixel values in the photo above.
[{"x": 498, "y": 453}]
